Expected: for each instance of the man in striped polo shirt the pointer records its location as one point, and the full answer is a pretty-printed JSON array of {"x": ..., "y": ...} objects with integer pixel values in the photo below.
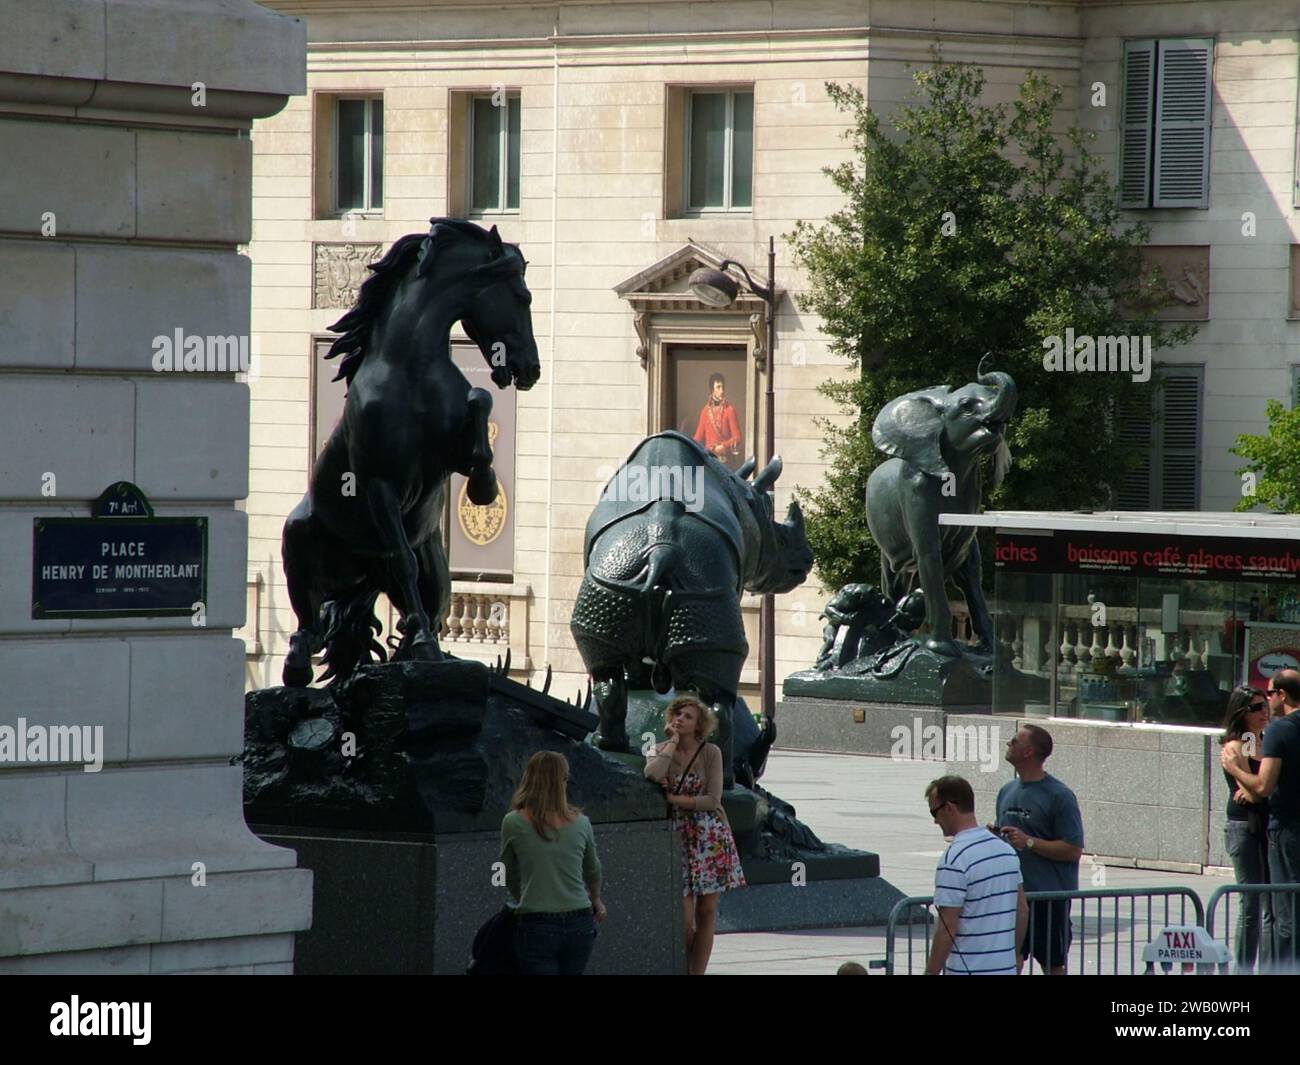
[{"x": 977, "y": 891}]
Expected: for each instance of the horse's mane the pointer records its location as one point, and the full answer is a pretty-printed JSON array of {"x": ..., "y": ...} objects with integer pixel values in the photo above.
[{"x": 378, "y": 287}]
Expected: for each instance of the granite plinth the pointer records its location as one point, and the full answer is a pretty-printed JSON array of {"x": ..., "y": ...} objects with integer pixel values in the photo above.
[
  {"x": 831, "y": 903},
  {"x": 410, "y": 904}
]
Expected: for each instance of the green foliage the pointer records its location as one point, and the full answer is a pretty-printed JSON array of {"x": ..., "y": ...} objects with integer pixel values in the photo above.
[
  {"x": 1037, "y": 246},
  {"x": 1274, "y": 459}
]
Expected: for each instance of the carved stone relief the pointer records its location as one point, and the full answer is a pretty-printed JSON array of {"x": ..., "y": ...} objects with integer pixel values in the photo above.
[
  {"x": 1186, "y": 268},
  {"x": 338, "y": 270}
]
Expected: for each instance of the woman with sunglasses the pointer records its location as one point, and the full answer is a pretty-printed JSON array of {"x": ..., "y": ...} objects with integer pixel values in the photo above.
[{"x": 1245, "y": 833}]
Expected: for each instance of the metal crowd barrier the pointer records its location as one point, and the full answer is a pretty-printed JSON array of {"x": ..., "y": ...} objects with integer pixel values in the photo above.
[
  {"x": 1272, "y": 955},
  {"x": 1099, "y": 935}
]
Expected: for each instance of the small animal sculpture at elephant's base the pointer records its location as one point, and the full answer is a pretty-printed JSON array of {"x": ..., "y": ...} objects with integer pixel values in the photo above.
[
  {"x": 936, "y": 438},
  {"x": 861, "y": 623},
  {"x": 673, "y": 543}
]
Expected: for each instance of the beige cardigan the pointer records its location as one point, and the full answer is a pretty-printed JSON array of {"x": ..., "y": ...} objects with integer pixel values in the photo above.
[{"x": 659, "y": 766}]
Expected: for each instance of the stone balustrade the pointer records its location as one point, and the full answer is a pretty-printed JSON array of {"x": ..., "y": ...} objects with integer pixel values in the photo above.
[{"x": 1025, "y": 636}]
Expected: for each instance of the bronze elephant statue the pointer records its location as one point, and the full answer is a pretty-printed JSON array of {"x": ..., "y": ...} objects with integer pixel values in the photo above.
[{"x": 936, "y": 438}]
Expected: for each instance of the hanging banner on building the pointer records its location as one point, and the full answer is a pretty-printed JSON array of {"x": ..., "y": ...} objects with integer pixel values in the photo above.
[
  {"x": 481, "y": 540},
  {"x": 1210, "y": 558}
]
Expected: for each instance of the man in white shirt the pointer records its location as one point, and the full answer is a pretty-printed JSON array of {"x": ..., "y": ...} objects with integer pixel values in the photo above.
[{"x": 978, "y": 891}]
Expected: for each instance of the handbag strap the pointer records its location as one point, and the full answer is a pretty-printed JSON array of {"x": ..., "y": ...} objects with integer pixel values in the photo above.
[{"x": 682, "y": 779}]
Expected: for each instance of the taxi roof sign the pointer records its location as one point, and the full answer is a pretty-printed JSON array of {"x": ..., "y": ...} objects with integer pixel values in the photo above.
[{"x": 1185, "y": 944}]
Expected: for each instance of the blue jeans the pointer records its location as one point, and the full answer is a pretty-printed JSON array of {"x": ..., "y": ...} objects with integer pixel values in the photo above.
[
  {"x": 1284, "y": 868},
  {"x": 555, "y": 944},
  {"x": 1255, "y": 918}
]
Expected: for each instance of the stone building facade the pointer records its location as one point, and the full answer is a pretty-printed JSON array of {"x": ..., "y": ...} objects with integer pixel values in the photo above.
[
  {"x": 624, "y": 143},
  {"x": 126, "y": 195}
]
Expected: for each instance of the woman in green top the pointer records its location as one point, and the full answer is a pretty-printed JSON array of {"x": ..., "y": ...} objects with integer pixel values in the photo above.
[{"x": 552, "y": 870}]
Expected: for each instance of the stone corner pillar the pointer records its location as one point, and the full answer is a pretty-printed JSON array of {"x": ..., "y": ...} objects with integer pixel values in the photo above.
[{"x": 126, "y": 194}]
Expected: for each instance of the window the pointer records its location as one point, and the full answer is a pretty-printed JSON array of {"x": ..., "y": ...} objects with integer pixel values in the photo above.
[
  {"x": 1169, "y": 439},
  {"x": 720, "y": 151},
  {"x": 359, "y": 155},
  {"x": 1165, "y": 123},
  {"x": 1295, "y": 387},
  {"x": 494, "y": 152}
]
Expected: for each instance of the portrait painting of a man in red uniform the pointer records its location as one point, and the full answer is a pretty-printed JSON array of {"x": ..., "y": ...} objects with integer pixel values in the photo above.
[{"x": 719, "y": 428}]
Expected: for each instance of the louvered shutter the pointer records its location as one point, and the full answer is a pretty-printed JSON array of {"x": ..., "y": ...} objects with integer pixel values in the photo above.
[
  {"x": 1182, "y": 138},
  {"x": 1180, "y": 439},
  {"x": 1137, "y": 120},
  {"x": 1295, "y": 387},
  {"x": 1135, "y": 433}
]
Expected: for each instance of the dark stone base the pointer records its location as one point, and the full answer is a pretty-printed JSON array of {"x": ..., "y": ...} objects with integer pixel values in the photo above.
[
  {"x": 926, "y": 679},
  {"x": 781, "y": 907},
  {"x": 962, "y": 685},
  {"x": 410, "y": 905}
]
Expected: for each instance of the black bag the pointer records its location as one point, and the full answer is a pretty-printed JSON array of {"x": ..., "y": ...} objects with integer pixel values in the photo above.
[
  {"x": 493, "y": 952},
  {"x": 1257, "y": 820}
]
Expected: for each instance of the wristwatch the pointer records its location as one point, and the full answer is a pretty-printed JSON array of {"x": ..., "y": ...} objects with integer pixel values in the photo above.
[{"x": 1029, "y": 842}]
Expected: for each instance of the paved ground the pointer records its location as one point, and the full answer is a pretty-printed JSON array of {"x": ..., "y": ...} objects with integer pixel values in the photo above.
[{"x": 877, "y": 804}]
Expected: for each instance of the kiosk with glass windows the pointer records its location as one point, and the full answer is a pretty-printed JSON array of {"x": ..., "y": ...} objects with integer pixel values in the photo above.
[{"x": 1141, "y": 617}]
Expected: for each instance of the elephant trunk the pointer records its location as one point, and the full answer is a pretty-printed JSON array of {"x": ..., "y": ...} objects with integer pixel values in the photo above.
[{"x": 1004, "y": 406}]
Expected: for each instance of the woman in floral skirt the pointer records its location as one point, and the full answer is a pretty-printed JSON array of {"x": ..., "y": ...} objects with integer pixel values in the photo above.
[{"x": 690, "y": 769}]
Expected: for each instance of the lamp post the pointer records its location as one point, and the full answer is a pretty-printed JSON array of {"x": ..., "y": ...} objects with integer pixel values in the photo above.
[{"x": 717, "y": 288}]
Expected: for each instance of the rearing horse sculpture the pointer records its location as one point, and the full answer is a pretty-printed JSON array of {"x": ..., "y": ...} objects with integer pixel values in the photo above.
[{"x": 370, "y": 520}]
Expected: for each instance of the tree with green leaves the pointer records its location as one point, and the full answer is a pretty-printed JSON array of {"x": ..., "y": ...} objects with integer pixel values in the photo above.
[
  {"x": 970, "y": 228},
  {"x": 1271, "y": 476}
]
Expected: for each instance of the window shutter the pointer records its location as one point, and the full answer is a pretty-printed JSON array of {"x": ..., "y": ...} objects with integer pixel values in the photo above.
[
  {"x": 1182, "y": 153},
  {"x": 1180, "y": 440},
  {"x": 1135, "y": 432},
  {"x": 1295, "y": 387},
  {"x": 1136, "y": 122},
  {"x": 376, "y": 155}
]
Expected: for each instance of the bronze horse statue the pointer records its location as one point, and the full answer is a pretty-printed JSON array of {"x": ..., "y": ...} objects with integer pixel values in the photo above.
[{"x": 369, "y": 522}]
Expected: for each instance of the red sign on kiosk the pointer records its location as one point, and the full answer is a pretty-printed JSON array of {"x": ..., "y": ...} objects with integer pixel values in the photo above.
[{"x": 1211, "y": 558}]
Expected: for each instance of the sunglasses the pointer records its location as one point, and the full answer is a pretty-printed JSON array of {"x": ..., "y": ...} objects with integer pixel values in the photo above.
[
  {"x": 1273, "y": 691},
  {"x": 935, "y": 809},
  {"x": 1259, "y": 706}
]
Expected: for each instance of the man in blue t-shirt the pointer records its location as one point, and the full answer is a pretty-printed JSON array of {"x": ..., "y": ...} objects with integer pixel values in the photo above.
[
  {"x": 1039, "y": 816},
  {"x": 1278, "y": 780}
]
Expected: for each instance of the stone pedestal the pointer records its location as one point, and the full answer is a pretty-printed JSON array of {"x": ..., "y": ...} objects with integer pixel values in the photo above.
[
  {"x": 403, "y": 833},
  {"x": 124, "y": 129},
  {"x": 411, "y": 904}
]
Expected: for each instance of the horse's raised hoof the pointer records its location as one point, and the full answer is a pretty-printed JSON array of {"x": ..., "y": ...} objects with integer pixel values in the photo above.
[
  {"x": 426, "y": 650},
  {"x": 298, "y": 671},
  {"x": 297, "y": 674},
  {"x": 614, "y": 744},
  {"x": 482, "y": 487}
]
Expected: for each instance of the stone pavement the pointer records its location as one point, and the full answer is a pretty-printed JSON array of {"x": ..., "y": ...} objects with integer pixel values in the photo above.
[{"x": 877, "y": 804}]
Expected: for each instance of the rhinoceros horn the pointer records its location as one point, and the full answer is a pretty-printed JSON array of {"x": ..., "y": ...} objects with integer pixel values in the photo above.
[
  {"x": 767, "y": 476},
  {"x": 794, "y": 516},
  {"x": 747, "y": 467}
]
